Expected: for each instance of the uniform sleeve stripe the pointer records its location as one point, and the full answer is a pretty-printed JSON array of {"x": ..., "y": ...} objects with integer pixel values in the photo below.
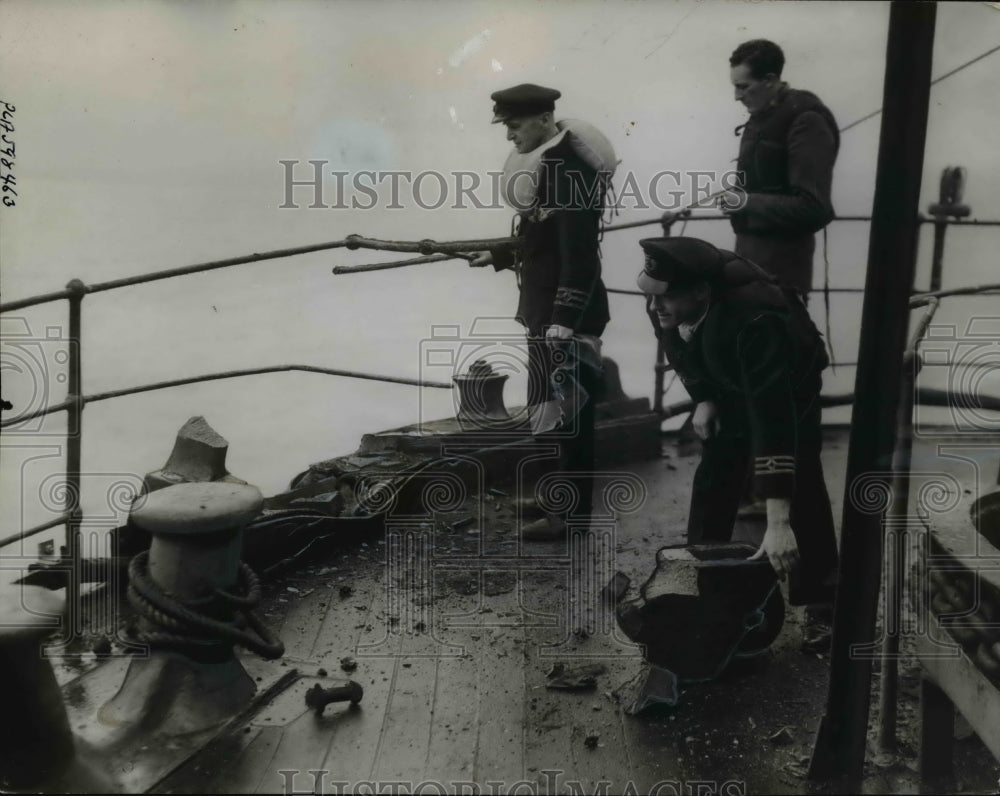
[
  {"x": 774, "y": 465},
  {"x": 571, "y": 297}
]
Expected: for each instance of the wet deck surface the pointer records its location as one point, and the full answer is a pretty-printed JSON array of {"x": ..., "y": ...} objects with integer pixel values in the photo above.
[{"x": 454, "y": 628}]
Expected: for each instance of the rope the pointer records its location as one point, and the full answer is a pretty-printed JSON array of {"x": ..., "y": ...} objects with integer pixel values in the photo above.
[
  {"x": 427, "y": 246},
  {"x": 433, "y": 258},
  {"x": 439, "y": 251},
  {"x": 186, "y": 628}
]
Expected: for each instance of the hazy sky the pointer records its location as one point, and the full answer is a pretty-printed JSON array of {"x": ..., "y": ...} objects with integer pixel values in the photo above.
[
  {"x": 192, "y": 105},
  {"x": 149, "y": 135}
]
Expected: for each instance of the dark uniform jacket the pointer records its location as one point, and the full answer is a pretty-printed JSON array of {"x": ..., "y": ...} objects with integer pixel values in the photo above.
[
  {"x": 758, "y": 356},
  {"x": 560, "y": 265},
  {"x": 787, "y": 154}
]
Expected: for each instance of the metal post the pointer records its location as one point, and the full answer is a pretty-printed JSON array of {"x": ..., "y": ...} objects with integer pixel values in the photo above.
[
  {"x": 840, "y": 744},
  {"x": 74, "y": 454},
  {"x": 940, "y": 228},
  {"x": 895, "y": 576},
  {"x": 659, "y": 369},
  {"x": 949, "y": 204},
  {"x": 660, "y": 366},
  {"x": 896, "y": 522}
]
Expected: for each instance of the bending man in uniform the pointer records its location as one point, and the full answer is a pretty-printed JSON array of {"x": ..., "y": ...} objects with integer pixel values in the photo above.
[
  {"x": 563, "y": 303},
  {"x": 751, "y": 358}
]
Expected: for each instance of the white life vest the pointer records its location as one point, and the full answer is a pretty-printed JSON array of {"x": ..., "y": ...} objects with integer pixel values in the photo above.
[{"x": 521, "y": 172}]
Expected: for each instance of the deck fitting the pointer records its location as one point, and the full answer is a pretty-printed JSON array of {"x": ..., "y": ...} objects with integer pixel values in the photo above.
[
  {"x": 195, "y": 553},
  {"x": 480, "y": 396},
  {"x": 318, "y": 697},
  {"x": 39, "y": 750}
]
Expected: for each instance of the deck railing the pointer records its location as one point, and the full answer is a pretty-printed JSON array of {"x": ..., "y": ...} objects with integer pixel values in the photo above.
[{"x": 76, "y": 290}]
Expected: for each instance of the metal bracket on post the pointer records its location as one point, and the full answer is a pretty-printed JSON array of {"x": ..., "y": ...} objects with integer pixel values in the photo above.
[{"x": 949, "y": 205}]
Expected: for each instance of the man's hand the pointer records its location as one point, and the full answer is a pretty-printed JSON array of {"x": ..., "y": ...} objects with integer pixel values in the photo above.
[
  {"x": 706, "y": 420},
  {"x": 779, "y": 543},
  {"x": 670, "y": 216},
  {"x": 557, "y": 332},
  {"x": 732, "y": 202},
  {"x": 480, "y": 260}
]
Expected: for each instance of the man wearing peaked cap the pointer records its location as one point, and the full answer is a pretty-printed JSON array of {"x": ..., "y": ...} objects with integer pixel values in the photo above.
[
  {"x": 562, "y": 303},
  {"x": 749, "y": 355},
  {"x": 676, "y": 261},
  {"x": 527, "y": 99}
]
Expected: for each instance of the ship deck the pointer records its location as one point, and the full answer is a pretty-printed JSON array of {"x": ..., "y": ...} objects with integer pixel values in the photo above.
[{"x": 455, "y": 635}]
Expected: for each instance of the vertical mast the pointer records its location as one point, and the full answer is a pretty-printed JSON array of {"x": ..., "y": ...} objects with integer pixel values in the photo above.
[{"x": 840, "y": 744}]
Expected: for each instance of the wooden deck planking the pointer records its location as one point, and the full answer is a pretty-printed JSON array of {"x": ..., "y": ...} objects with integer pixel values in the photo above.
[
  {"x": 598, "y": 715},
  {"x": 653, "y": 751},
  {"x": 451, "y": 751},
  {"x": 500, "y": 741},
  {"x": 487, "y": 716},
  {"x": 299, "y": 630},
  {"x": 318, "y": 622},
  {"x": 548, "y": 748},
  {"x": 202, "y": 774},
  {"x": 431, "y": 716},
  {"x": 304, "y": 743},
  {"x": 337, "y": 633},
  {"x": 560, "y": 721},
  {"x": 355, "y": 754},
  {"x": 408, "y": 717},
  {"x": 252, "y": 766}
]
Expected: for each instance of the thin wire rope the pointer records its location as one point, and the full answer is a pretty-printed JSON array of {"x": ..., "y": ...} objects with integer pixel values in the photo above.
[{"x": 945, "y": 76}]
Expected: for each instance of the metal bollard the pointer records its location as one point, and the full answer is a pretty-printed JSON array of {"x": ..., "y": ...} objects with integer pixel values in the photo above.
[
  {"x": 188, "y": 683},
  {"x": 37, "y": 748},
  {"x": 480, "y": 396}
]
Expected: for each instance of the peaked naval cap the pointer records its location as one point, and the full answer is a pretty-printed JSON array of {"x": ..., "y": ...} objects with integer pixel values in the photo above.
[
  {"x": 673, "y": 263},
  {"x": 526, "y": 99}
]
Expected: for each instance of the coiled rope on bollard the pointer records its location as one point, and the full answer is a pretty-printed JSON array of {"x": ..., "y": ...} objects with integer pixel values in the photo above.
[{"x": 185, "y": 627}]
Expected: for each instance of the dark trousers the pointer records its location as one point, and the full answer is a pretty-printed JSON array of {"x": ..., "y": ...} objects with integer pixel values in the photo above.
[
  {"x": 722, "y": 476},
  {"x": 558, "y": 371}
]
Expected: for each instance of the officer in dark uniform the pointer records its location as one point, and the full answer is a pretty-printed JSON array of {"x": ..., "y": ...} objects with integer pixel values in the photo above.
[
  {"x": 751, "y": 358},
  {"x": 787, "y": 153},
  {"x": 563, "y": 303}
]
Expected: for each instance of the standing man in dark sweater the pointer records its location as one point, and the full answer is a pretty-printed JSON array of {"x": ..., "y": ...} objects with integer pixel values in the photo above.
[
  {"x": 563, "y": 304},
  {"x": 787, "y": 152},
  {"x": 750, "y": 356}
]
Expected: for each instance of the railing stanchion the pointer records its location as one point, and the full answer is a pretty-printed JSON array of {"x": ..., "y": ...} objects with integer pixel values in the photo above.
[
  {"x": 937, "y": 261},
  {"x": 949, "y": 206},
  {"x": 74, "y": 456},
  {"x": 659, "y": 369}
]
